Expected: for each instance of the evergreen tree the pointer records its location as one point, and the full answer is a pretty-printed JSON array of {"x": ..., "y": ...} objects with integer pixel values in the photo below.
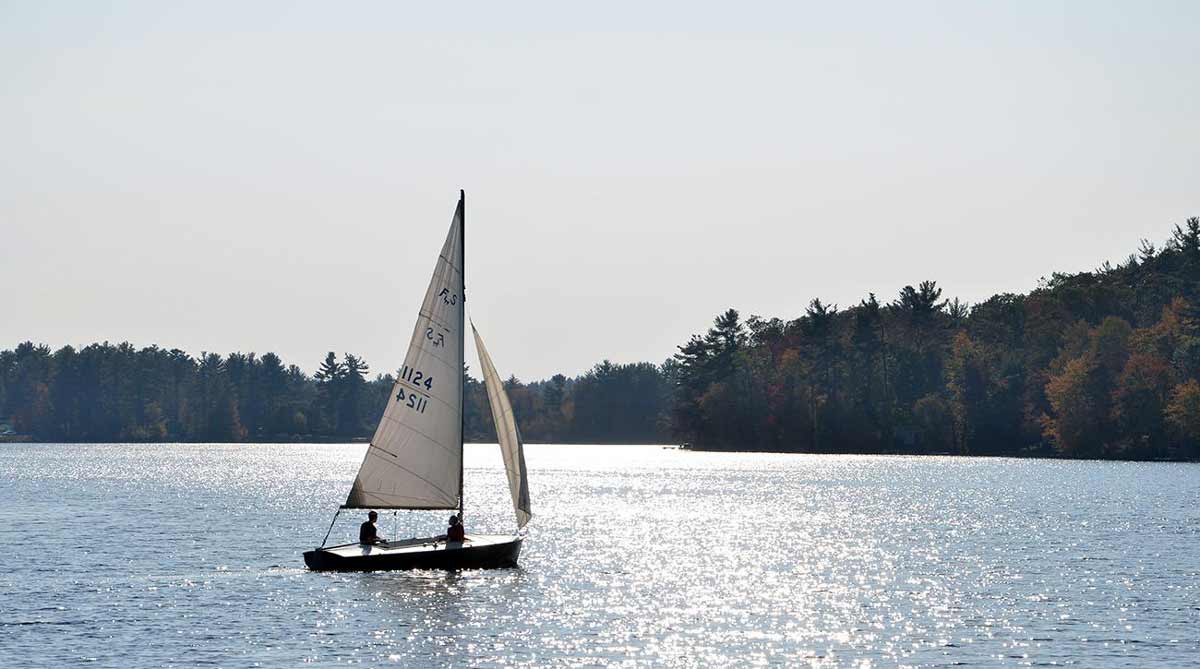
[
  {"x": 702, "y": 362},
  {"x": 329, "y": 394},
  {"x": 353, "y": 400}
]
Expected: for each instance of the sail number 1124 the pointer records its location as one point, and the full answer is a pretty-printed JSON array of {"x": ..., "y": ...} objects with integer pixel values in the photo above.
[{"x": 414, "y": 400}]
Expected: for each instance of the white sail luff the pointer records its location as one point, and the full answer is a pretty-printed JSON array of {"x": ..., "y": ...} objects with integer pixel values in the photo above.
[
  {"x": 415, "y": 457},
  {"x": 507, "y": 434}
]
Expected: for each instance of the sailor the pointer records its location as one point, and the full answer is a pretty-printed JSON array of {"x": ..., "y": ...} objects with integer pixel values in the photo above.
[
  {"x": 367, "y": 534},
  {"x": 455, "y": 532}
]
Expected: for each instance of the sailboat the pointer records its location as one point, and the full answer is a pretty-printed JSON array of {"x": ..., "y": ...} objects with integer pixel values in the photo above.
[{"x": 415, "y": 458}]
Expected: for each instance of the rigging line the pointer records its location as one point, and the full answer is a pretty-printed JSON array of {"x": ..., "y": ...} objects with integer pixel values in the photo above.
[{"x": 327, "y": 532}]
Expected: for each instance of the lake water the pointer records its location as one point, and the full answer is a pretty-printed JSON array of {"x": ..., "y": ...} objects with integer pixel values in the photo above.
[{"x": 188, "y": 555}]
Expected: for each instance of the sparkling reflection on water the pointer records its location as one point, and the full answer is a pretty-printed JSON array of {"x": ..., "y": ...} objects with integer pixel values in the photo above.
[{"x": 184, "y": 554}]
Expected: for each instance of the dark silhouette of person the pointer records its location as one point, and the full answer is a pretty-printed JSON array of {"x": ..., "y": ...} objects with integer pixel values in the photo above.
[
  {"x": 367, "y": 534},
  {"x": 455, "y": 532}
]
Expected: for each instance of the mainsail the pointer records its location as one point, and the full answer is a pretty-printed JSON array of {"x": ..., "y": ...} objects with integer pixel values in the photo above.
[
  {"x": 506, "y": 433},
  {"x": 415, "y": 458}
]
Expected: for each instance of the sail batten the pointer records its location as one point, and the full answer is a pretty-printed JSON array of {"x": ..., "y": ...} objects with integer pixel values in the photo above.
[
  {"x": 415, "y": 457},
  {"x": 507, "y": 434}
]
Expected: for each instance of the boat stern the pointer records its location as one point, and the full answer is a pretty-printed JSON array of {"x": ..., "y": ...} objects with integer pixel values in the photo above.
[{"x": 320, "y": 560}]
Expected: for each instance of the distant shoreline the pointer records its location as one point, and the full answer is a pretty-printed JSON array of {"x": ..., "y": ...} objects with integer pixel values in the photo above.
[
  {"x": 1093, "y": 365},
  {"x": 1012, "y": 456},
  {"x": 26, "y": 439}
]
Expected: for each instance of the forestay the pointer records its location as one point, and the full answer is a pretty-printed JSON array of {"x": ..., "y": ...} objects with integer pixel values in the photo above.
[
  {"x": 415, "y": 458},
  {"x": 506, "y": 433}
]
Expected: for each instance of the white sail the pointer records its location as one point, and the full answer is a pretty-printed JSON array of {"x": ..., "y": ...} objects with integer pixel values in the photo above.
[
  {"x": 415, "y": 458},
  {"x": 506, "y": 433}
]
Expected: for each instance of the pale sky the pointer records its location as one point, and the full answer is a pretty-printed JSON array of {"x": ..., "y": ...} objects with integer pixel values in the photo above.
[{"x": 279, "y": 176}]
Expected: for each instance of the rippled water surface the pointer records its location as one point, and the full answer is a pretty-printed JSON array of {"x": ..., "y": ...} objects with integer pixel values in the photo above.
[{"x": 158, "y": 555}]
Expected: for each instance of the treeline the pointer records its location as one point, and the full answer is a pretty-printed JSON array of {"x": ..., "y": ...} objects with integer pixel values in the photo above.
[
  {"x": 107, "y": 392},
  {"x": 610, "y": 404},
  {"x": 1097, "y": 364}
]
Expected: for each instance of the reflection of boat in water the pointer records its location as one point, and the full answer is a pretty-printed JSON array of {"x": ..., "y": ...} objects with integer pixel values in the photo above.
[{"x": 415, "y": 460}]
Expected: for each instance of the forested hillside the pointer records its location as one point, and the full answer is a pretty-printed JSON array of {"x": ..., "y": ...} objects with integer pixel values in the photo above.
[{"x": 1096, "y": 364}]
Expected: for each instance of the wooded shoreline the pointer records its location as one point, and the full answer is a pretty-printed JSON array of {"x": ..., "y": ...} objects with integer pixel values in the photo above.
[
  {"x": 1102, "y": 364},
  {"x": 361, "y": 441}
]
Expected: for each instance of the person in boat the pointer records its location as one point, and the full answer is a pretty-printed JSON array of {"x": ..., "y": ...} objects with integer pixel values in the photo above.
[
  {"x": 455, "y": 532},
  {"x": 367, "y": 533}
]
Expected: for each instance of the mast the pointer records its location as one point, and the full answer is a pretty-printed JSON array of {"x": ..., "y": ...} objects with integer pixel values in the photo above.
[{"x": 462, "y": 348}]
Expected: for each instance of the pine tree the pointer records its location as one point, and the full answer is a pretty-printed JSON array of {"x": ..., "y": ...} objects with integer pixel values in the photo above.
[
  {"x": 329, "y": 394},
  {"x": 353, "y": 397}
]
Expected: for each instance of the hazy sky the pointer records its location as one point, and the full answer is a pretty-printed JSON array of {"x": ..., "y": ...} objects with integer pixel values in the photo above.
[{"x": 270, "y": 176}]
